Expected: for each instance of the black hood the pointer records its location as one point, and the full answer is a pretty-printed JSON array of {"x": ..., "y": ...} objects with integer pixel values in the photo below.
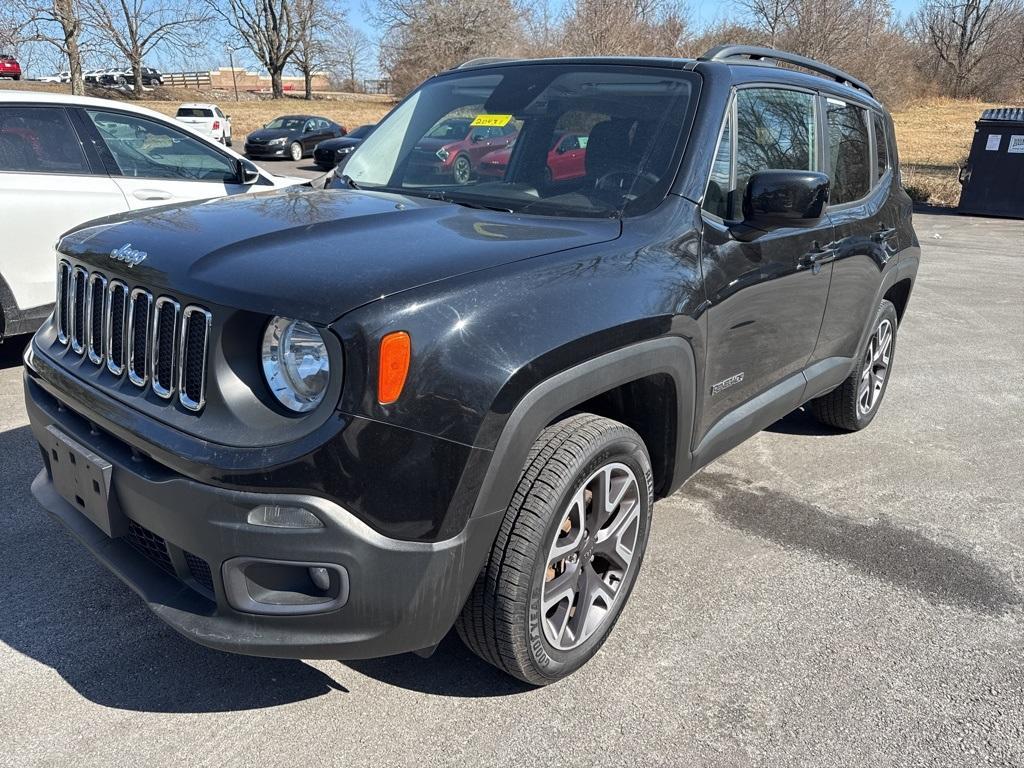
[
  {"x": 344, "y": 141},
  {"x": 317, "y": 254},
  {"x": 266, "y": 134}
]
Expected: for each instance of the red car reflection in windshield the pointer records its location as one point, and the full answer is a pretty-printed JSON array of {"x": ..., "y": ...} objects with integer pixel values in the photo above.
[{"x": 567, "y": 158}]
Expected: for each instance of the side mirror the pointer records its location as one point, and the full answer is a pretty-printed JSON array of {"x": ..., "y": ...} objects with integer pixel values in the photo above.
[
  {"x": 476, "y": 138},
  {"x": 778, "y": 199},
  {"x": 246, "y": 172}
]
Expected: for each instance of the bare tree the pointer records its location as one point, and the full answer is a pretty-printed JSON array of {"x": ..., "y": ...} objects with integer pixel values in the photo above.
[
  {"x": 625, "y": 27},
  {"x": 354, "y": 50},
  {"x": 421, "y": 37},
  {"x": 57, "y": 23},
  {"x": 771, "y": 17},
  {"x": 270, "y": 28},
  {"x": 133, "y": 28},
  {"x": 961, "y": 36},
  {"x": 316, "y": 49}
]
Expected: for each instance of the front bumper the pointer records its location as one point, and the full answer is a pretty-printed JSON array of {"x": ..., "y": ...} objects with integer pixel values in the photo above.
[
  {"x": 265, "y": 150},
  {"x": 184, "y": 536}
]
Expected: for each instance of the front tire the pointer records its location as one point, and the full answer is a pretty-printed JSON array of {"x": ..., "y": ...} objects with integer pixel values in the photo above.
[
  {"x": 296, "y": 151},
  {"x": 462, "y": 170},
  {"x": 853, "y": 404},
  {"x": 568, "y": 552}
]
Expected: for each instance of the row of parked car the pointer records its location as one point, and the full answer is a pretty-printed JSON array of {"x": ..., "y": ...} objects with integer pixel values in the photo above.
[{"x": 111, "y": 77}]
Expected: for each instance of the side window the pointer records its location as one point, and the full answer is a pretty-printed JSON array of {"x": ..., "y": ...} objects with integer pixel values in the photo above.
[
  {"x": 568, "y": 144},
  {"x": 39, "y": 140},
  {"x": 881, "y": 145},
  {"x": 219, "y": 113},
  {"x": 719, "y": 193},
  {"x": 145, "y": 148},
  {"x": 849, "y": 152},
  {"x": 775, "y": 130}
]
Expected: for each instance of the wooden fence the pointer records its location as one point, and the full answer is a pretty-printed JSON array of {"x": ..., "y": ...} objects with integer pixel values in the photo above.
[{"x": 187, "y": 79}]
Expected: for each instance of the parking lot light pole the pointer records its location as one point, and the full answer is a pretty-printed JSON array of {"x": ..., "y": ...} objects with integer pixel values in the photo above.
[{"x": 231, "y": 62}]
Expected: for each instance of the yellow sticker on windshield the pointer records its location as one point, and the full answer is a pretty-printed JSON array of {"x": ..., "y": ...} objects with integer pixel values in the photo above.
[{"x": 492, "y": 121}]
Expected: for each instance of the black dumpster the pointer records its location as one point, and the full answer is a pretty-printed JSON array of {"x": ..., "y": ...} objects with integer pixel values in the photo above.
[{"x": 993, "y": 181}]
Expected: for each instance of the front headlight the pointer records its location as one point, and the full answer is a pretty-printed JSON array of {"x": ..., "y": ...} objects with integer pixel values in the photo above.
[
  {"x": 282, "y": 140},
  {"x": 442, "y": 154},
  {"x": 295, "y": 363}
]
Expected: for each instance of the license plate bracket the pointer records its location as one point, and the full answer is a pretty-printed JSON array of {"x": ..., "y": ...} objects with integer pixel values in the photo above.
[{"x": 83, "y": 479}]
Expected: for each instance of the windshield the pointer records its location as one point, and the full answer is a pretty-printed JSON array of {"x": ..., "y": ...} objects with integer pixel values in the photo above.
[
  {"x": 554, "y": 139},
  {"x": 287, "y": 123},
  {"x": 361, "y": 132}
]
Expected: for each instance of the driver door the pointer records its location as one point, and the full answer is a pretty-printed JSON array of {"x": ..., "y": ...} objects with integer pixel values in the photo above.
[
  {"x": 766, "y": 293},
  {"x": 156, "y": 164}
]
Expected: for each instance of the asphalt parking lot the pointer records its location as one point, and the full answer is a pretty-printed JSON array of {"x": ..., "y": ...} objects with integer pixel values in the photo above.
[
  {"x": 304, "y": 167},
  {"x": 810, "y": 599}
]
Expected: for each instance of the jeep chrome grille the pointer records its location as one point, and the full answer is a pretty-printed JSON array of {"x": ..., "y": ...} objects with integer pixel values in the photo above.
[{"x": 152, "y": 340}]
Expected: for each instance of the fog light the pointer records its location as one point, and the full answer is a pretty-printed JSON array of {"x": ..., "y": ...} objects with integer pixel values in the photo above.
[
  {"x": 320, "y": 577},
  {"x": 274, "y": 516}
]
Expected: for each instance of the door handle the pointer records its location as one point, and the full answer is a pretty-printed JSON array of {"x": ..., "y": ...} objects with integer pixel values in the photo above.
[
  {"x": 815, "y": 259},
  {"x": 151, "y": 194}
]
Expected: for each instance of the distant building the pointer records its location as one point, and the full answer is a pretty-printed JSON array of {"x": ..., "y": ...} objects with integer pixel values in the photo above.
[{"x": 227, "y": 78}]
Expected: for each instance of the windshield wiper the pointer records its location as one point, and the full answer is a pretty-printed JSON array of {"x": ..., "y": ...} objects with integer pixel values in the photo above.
[
  {"x": 439, "y": 195},
  {"x": 349, "y": 181}
]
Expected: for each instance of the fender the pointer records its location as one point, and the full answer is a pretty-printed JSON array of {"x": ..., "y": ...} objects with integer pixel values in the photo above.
[
  {"x": 904, "y": 267},
  {"x": 671, "y": 355},
  {"x": 15, "y": 321}
]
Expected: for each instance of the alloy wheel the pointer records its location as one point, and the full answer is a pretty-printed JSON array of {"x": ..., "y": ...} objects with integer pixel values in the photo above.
[
  {"x": 462, "y": 170},
  {"x": 296, "y": 151},
  {"x": 876, "y": 368},
  {"x": 591, "y": 555}
]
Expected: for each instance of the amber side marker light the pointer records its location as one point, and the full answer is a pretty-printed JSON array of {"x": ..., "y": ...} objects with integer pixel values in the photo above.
[{"x": 395, "y": 350}]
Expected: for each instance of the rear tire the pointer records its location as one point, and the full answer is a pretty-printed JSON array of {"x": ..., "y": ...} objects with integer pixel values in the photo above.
[
  {"x": 551, "y": 591},
  {"x": 853, "y": 404}
]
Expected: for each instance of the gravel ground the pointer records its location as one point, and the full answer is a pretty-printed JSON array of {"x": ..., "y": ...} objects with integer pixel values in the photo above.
[{"x": 809, "y": 599}]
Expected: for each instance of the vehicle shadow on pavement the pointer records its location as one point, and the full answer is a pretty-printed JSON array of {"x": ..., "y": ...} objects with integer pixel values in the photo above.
[
  {"x": 59, "y": 607},
  {"x": 801, "y": 422},
  {"x": 898, "y": 556},
  {"x": 453, "y": 670},
  {"x": 11, "y": 351}
]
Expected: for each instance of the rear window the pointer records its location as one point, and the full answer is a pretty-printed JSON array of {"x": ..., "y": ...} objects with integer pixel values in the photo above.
[
  {"x": 849, "y": 151},
  {"x": 39, "y": 140},
  {"x": 194, "y": 112},
  {"x": 881, "y": 146}
]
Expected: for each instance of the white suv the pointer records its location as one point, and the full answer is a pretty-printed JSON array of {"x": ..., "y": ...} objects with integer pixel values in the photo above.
[
  {"x": 65, "y": 160},
  {"x": 207, "y": 119}
]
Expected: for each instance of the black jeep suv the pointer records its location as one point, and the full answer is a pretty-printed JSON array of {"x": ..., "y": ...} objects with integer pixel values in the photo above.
[{"x": 334, "y": 423}]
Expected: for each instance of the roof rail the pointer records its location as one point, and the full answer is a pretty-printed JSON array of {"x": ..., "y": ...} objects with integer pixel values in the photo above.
[
  {"x": 482, "y": 61},
  {"x": 758, "y": 54}
]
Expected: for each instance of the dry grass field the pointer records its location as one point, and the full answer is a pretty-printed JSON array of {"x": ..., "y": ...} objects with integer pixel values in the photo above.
[
  {"x": 934, "y": 135},
  {"x": 934, "y": 138}
]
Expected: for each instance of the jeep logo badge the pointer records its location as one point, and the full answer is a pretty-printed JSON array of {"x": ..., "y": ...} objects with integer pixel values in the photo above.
[{"x": 128, "y": 255}]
